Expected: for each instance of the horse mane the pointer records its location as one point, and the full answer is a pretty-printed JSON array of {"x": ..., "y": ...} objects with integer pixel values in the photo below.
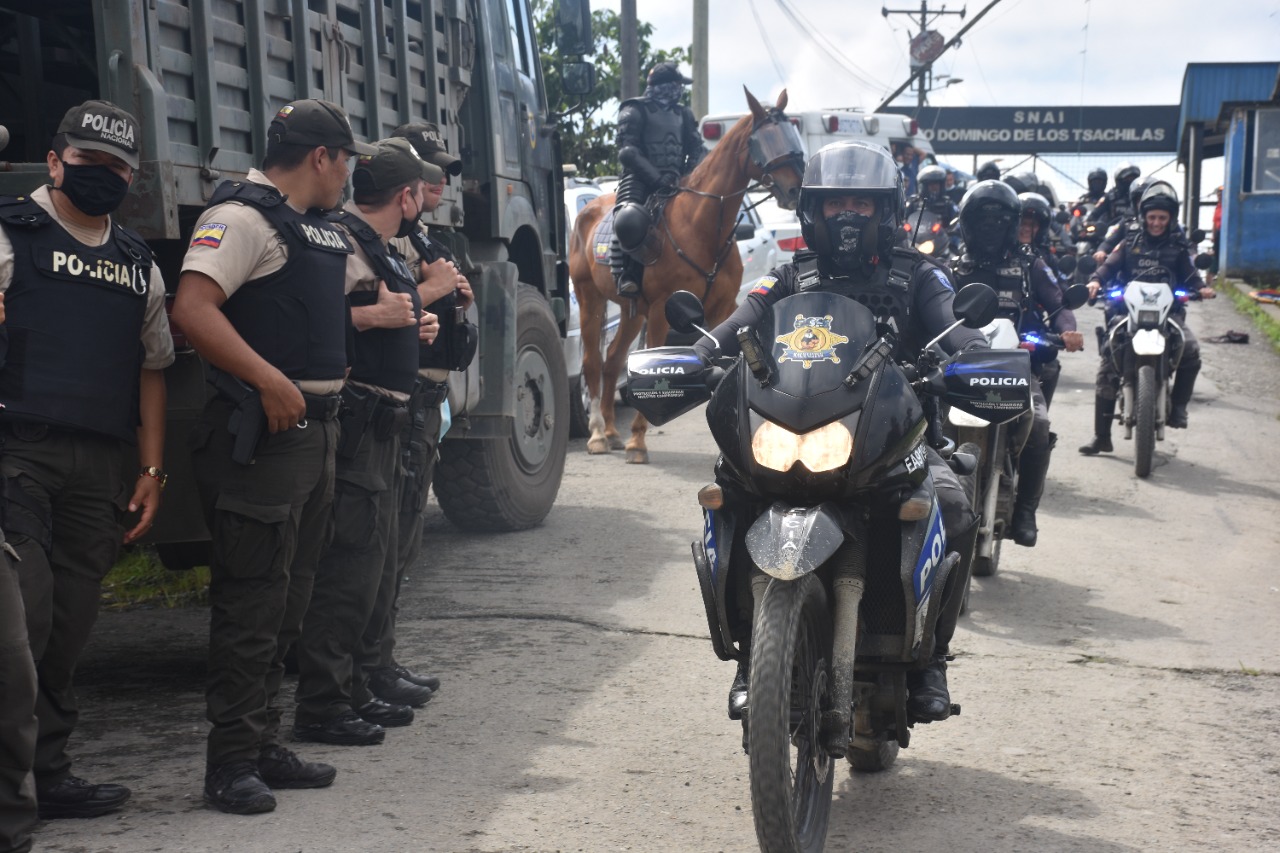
[{"x": 735, "y": 139}]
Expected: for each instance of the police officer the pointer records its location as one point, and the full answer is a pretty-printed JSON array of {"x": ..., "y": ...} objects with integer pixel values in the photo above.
[
  {"x": 851, "y": 206},
  {"x": 932, "y": 180},
  {"x": 988, "y": 171},
  {"x": 1155, "y": 248},
  {"x": 1116, "y": 205},
  {"x": 1132, "y": 224},
  {"x": 1034, "y": 230},
  {"x": 990, "y": 219},
  {"x": 333, "y": 701},
  {"x": 262, "y": 298},
  {"x": 658, "y": 142},
  {"x": 87, "y": 342}
]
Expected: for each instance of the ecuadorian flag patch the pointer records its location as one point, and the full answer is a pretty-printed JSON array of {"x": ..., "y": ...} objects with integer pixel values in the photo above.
[
  {"x": 763, "y": 286},
  {"x": 209, "y": 235}
]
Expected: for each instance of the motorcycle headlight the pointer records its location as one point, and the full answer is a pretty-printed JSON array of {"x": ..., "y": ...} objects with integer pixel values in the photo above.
[
  {"x": 823, "y": 449},
  {"x": 1148, "y": 317},
  {"x": 926, "y": 247}
]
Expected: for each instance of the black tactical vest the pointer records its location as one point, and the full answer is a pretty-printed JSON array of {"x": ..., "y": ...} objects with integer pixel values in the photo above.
[
  {"x": 73, "y": 328},
  {"x": 455, "y": 345},
  {"x": 387, "y": 358},
  {"x": 663, "y": 135},
  {"x": 1008, "y": 277},
  {"x": 296, "y": 317},
  {"x": 889, "y": 293}
]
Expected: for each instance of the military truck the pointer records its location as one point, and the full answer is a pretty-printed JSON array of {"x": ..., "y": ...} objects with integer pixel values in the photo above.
[{"x": 204, "y": 78}]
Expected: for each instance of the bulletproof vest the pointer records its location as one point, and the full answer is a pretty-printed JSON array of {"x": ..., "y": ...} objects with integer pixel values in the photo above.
[
  {"x": 1120, "y": 205},
  {"x": 888, "y": 292},
  {"x": 296, "y": 317},
  {"x": 455, "y": 345},
  {"x": 387, "y": 358},
  {"x": 1144, "y": 259},
  {"x": 72, "y": 334},
  {"x": 663, "y": 132},
  {"x": 1007, "y": 277}
]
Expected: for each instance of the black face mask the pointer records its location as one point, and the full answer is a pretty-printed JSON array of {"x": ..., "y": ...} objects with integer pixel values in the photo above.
[
  {"x": 94, "y": 190},
  {"x": 408, "y": 226},
  {"x": 848, "y": 233}
]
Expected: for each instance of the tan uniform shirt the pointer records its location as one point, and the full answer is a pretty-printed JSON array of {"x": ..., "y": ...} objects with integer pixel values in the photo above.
[
  {"x": 415, "y": 260},
  {"x": 157, "y": 343},
  {"x": 361, "y": 276},
  {"x": 248, "y": 247}
]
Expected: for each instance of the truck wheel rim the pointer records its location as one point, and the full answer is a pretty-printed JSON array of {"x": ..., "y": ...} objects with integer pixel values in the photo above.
[{"x": 535, "y": 411}]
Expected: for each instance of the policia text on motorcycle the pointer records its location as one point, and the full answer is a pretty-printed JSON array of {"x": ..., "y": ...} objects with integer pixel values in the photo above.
[
  {"x": 86, "y": 342},
  {"x": 260, "y": 252}
]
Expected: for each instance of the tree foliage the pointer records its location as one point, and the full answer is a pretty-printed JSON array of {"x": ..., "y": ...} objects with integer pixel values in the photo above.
[{"x": 587, "y": 133}]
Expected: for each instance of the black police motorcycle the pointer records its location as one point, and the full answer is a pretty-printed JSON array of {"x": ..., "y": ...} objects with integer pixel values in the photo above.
[{"x": 824, "y": 526}]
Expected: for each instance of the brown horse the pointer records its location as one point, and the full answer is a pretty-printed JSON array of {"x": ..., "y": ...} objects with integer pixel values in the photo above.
[{"x": 697, "y": 253}]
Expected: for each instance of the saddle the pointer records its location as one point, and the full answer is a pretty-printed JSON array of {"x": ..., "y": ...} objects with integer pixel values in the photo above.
[{"x": 651, "y": 248}]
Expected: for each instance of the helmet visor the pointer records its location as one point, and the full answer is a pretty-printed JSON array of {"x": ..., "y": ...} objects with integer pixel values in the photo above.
[{"x": 851, "y": 166}]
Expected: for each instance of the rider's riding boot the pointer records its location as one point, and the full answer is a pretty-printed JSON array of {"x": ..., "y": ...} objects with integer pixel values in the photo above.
[
  {"x": 929, "y": 699},
  {"x": 1033, "y": 466},
  {"x": 738, "y": 691},
  {"x": 1104, "y": 412},
  {"x": 1184, "y": 382},
  {"x": 619, "y": 263}
]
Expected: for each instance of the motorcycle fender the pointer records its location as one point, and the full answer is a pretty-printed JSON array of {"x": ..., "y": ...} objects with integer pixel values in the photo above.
[
  {"x": 1147, "y": 342},
  {"x": 924, "y": 547},
  {"x": 788, "y": 543}
]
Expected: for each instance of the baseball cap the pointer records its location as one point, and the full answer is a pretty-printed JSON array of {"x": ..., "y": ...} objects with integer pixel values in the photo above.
[
  {"x": 312, "y": 121},
  {"x": 667, "y": 72},
  {"x": 392, "y": 163},
  {"x": 102, "y": 126},
  {"x": 430, "y": 145}
]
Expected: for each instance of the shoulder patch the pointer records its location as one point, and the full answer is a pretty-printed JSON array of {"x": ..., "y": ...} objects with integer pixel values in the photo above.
[
  {"x": 763, "y": 286},
  {"x": 942, "y": 277},
  {"x": 209, "y": 235}
]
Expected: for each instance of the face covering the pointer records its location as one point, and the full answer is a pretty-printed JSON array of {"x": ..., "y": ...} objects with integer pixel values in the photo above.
[
  {"x": 407, "y": 226},
  {"x": 666, "y": 93},
  {"x": 94, "y": 190},
  {"x": 847, "y": 232}
]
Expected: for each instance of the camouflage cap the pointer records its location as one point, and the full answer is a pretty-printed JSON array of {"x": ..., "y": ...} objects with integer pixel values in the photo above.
[
  {"x": 102, "y": 126},
  {"x": 392, "y": 164},
  {"x": 430, "y": 145},
  {"x": 312, "y": 121},
  {"x": 667, "y": 72}
]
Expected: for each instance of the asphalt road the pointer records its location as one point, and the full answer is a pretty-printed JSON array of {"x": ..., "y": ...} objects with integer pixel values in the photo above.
[{"x": 1120, "y": 682}]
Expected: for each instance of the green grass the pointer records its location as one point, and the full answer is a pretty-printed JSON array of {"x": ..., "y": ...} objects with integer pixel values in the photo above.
[
  {"x": 1264, "y": 321},
  {"x": 139, "y": 580}
]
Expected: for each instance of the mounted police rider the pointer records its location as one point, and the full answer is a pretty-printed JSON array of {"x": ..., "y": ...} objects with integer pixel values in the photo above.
[
  {"x": 1155, "y": 247},
  {"x": 658, "y": 143},
  {"x": 851, "y": 207},
  {"x": 990, "y": 218}
]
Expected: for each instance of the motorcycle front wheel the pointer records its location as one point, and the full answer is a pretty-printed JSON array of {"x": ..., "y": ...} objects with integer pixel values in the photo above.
[
  {"x": 1144, "y": 435},
  {"x": 791, "y": 773}
]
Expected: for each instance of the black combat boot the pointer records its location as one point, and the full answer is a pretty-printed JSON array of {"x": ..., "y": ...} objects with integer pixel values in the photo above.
[
  {"x": 74, "y": 797},
  {"x": 619, "y": 263},
  {"x": 738, "y": 691},
  {"x": 1033, "y": 466},
  {"x": 1184, "y": 382},
  {"x": 1104, "y": 412},
  {"x": 237, "y": 788},
  {"x": 929, "y": 699}
]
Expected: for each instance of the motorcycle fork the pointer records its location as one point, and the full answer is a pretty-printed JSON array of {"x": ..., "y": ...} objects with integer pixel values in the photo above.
[{"x": 848, "y": 582}]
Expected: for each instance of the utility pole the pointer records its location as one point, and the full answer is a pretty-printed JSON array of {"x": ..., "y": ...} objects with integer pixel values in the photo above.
[
  {"x": 701, "y": 65},
  {"x": 925, "y": 81},
  {"x": 629, "y": 48}
]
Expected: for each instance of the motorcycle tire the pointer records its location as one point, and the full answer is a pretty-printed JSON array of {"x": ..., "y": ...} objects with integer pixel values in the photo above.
[
  {"x": 874, "y": 760},
  {"x": 790, "y": 658},
  {"x": 1144, "y": 430},
  {"x": 985, "y": 567}
]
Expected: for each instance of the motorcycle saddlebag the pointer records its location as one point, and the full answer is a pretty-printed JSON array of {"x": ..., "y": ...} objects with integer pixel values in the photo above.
[
  {"x": 990, "y": 384},
  {"x": 665, "y": 382}
]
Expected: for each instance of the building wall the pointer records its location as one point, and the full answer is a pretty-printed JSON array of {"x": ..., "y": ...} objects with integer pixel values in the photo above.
[{"x": 1250, "y": 220}]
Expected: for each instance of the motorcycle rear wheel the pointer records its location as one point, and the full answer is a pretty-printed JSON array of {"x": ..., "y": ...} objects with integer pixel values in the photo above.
[
  {"x": 1144, "y": 435},
  {"x": 874, "y": 760},
  {"x": 791, "y": 774}
]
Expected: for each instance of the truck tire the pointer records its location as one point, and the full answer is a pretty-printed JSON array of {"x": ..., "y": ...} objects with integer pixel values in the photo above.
[{"x": 511, "y": 483}]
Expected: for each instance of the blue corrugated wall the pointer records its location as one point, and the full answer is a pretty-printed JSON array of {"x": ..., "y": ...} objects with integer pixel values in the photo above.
[{"x": 1250, "y": 222}]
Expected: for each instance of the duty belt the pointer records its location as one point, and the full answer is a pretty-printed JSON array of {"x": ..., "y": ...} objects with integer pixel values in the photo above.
[
  {"x": 430, "y": 394},
  {"x": 322, "y": 407}
]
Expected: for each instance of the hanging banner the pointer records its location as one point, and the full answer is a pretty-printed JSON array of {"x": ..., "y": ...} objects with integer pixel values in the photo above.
[{"x": 1047, "y": 130}]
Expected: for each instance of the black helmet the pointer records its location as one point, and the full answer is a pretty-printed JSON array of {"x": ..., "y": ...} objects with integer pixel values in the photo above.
[
  {"x": 1022, "y": 182},
  {"x": 1126, "y": 172},
  {"x": 1037, "y": 207},
  {"x": 989, "y": 171},
  {"x": 933, "y": 173},
  {"x": 1136, "y": 189},
  {"x": 845, "y": 168},
  {"x": 1097, "y": 180},
  {"x": 1159, "y": 195},
  {"x": 667, "y": 72},
  {"x": 989, "y": 214}
]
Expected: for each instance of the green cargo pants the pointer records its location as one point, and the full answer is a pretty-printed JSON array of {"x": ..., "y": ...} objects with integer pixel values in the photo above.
[{"x": 17, "y": 717}]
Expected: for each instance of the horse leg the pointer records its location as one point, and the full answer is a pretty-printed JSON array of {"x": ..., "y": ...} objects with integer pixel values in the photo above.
[
  {"x": 628, "y": 328},
  {"x": 592, "y": 309},
  {"x": 655, "y": 335}
]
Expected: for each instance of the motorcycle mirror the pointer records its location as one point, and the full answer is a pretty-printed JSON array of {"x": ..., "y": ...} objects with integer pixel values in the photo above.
[
  {"x": 1086, "y": 264},
  {"x": 684, "y": 312},
  {"x": 976, "y": 305},
  {"x": 1203, "y": 261},
  {"x": 1067, "y": 263},
  {"x": 1198, "y": 235},
  {"x": 1075, "y": 296}
]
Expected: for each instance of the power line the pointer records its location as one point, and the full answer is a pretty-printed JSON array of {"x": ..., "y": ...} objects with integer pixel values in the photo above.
[
  {"x": 768, "y": 43},
  {"x": 834, "y": 50},
  {"x": 839, "y": 60}
]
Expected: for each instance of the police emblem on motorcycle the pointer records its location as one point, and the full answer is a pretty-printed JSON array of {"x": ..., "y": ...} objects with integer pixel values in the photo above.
[{"x": 813, "y": 340}]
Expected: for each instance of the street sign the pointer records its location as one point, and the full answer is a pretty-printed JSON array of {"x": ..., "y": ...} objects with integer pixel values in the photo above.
[
  {"x": 1047, "y": 130},
  {"x": 926, "y": 47}
]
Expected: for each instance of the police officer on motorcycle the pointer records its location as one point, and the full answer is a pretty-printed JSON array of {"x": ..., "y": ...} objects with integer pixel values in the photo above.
[
  {"x": 988, "y": 171},
  {"x": 1116, "y": 205},
  {"x": 1154, "y": 248},
  {"x": 990, "y": 219},
  {"x": 932, "y": 181},
  {"x": 658, "y": 142},
  {"x": 851, "y": 207}
]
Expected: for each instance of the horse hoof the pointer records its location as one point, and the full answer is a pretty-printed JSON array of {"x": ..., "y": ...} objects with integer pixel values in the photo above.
[
  {"x": 616, "y": 443},
  {"x": 637, "y": 456},
  {"x": 597, "y": 446}
]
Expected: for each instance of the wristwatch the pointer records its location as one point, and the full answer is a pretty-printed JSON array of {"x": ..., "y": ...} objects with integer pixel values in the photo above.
[{"x": 156, "y": 474}]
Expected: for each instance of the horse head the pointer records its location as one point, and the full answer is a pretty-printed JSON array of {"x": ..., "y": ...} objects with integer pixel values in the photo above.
[{"x": 777, "y": 154}]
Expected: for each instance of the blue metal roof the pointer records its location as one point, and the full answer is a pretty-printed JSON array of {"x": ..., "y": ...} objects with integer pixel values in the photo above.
[{"x": 1207, "y": 85}]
